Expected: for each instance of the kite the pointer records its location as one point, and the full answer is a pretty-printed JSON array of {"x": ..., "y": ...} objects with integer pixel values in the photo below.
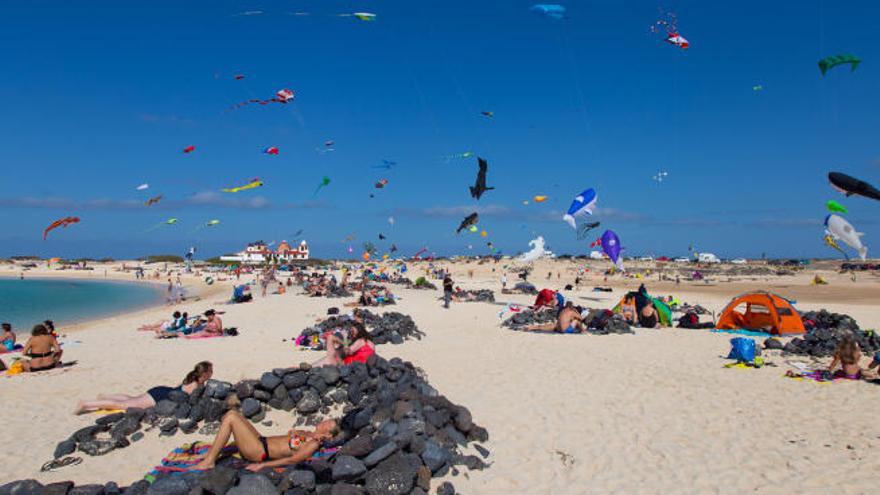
[
  {"x": 189, "y": 149},
  {"x": 365, "y": 16},
  {"x": 369, "y": 248},
  {"x": 382, "y": 237},
  {"x": 420, "y": 251},
  {"x": 253, "y": 184},
  {"x": 153, "y": 200},
  {"x": 170, "y": 221},
  {"x": 393, "y": 248},
  {"x": 525, "y": 202},
  {"x": 487, "y": 114},
  {"x": 483, "y": 233},
  {"x": 386, "y": 165},
  {"x": 757, "y": 87},
  {"x": 329, "y": 143},
  {"x": 829, "y": 63},
  {"x": 298, "y": 233},
  {"x": 841, "y": 230},
  {"x": 142, "y": 187},
  {"x": 328, "y": 147},
  {"x": 834, "y": 206},
  {"x": 611, "y": 247},
  {"x": 829, "y": 240},
  {"x": 668, "y": 26},
  {"x": 63, "y": 222},
  {"x": 271, "y": 150},
  {"x": 350, "y": 249},
  {"x": 581, "y": 206},
  {"x": 239, "y": 77},
  {"x": 536, "y": 252},
  {"x": 466, "y": 154},
  {"x": 212, "y": 223},
  {"x": 553, "y": 11},
  {"x": 586, "y": 227},
  {"x": 282, "y": 96},
  {"x": 391, "y": 221},
  {"x": 473, "y": 229},
  {"x": 381, "y": 183},
  {"x": 539, "y": 199},
  {"x": 479, "y": 186},
  {"x": 850, "y": 185},
  {"x": 325, "y": 181},
  {"x": 469, "y": 221},
  {"x": 660, "y": 176},
  {"x": 250, "y": 13}
]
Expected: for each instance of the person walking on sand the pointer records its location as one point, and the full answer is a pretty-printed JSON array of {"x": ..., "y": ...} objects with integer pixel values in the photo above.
[
  {"x": 448, "y": 289},
  {"x": 503, "y": 282}
]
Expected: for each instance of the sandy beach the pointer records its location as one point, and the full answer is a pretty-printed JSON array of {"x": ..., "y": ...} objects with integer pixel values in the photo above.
[{"x": 653, "y": 412}]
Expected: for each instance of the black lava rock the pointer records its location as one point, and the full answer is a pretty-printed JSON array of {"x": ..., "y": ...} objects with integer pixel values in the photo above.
[
  {"x": 269, "y": 381},
  {"x": 250, "y": 407},
  {"x": 254, "y": 484},
  {"x": 348, "y": 468},
  {"x": 165, "y": 408},
  {"x": 22, "y": 487},
  {"x": 393, "y": 476},
  {"x": 309, "y": 403},
  {"x": 64, "y": 448}
]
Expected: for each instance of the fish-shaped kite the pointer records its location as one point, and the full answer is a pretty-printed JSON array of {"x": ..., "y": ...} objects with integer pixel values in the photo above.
[
  {"x": 479, "y": 186},
  {"x": 253, "y": 184},
  {"x": 487, "y": 114},
  {"x": 62, "y": 222},
  {"x": 678, "y": 40},
  {"x": 842, "y": 230},
  {"x": 850, "y": 185},
  {"x": 189, "y": 149},
  {"x": 153, "y": 200},
  {"x": 469, "y": 221},
  {"x": 586, "y": 227},
  {"x": 582, "y": 205},
  {"x": 271, "y": 150},
  {"x": 834, "y": 206}
]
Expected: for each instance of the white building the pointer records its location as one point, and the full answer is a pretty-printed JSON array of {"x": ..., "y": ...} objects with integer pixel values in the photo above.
[{"x": 258, "y": 253}]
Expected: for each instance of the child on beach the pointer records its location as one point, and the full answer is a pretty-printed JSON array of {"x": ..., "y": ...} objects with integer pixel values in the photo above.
[
  {"x": 201, "y": 373},
  {"x": 847, "y": 356},
  {"x": 7, "y": 339}
]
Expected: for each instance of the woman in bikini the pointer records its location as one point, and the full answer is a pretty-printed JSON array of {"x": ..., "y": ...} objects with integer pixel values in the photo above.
[
  {"x": 43, "y": 350},
  {"x": 201, "y": 373},
  {"x": 358, "y": 351},
  {"x": 847, "y": 356},
  {"x": 267, "y": 452}
]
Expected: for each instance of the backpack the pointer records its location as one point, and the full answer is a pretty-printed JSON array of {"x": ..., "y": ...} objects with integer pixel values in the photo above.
[{"x": 689, "y": 320}]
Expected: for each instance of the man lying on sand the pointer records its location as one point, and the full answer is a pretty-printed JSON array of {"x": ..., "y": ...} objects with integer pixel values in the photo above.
[
  {"x": 283, "y": 450},
  {"x": 567, "y": 321}
]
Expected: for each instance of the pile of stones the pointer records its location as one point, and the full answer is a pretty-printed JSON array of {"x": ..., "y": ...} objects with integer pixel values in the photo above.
[
  {"x": 338, "y": 291},
  {"x": 481, "y": 295},
  {"x": 398, "y": 433},
  {"x": 825, "y": 330},
  {"x": 611, "y": 323},
  {"x": 391, "y": 327},
  {"x": 528, "y": 317}
]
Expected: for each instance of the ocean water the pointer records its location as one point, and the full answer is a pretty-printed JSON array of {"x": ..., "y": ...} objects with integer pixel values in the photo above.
[{"x": 27, "y": 302}]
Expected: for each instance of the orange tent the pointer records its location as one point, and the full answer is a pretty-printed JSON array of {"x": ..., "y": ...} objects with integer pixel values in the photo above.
[{"x": 762, "y": 311}]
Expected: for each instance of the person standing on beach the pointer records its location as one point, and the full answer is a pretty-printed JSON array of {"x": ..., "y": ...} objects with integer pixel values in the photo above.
[
  {"x": 448, "y": 287},
  {"x": 503, "y": 281}
]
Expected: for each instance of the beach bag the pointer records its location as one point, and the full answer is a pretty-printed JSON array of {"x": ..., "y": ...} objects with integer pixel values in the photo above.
[
  {"x": 742, "y": 349},
  {"x": 689, "y": 320},
  {"x": 600, "y": 320}
]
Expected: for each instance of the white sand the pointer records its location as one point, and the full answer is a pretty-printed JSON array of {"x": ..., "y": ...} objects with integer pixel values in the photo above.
[{"x": 654, "y": 412}]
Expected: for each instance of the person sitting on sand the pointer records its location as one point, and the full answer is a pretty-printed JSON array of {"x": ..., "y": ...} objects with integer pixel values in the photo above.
[
  {"x": 177, "y": 326},
  {"x": 648, "y": 317},
  {"x": 568, "y": 320},
  {"x": 267, "y": 452},
  {"x": 200, "y": 374},
  {"x": 358, "y": 351},
  {"x": 7, "y": 339},
  {"x": 847, "y": 356},
  {"x": 213, "y": 324},
  {"x": 43, "y": 349},
  {"x": 545, "y": 298}
]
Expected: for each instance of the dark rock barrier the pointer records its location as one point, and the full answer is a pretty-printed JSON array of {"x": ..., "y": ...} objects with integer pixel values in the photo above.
[
  {"x": 599, "y": 322},
  {"x": 391, "y": 327},
  {"x": 825, "y": 330},
  {"x": 397, "y": 433},
  {"x": 480, "y": 295}
]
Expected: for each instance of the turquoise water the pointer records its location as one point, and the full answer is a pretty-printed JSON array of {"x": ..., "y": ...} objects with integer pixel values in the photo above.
[{"x": 27, "y": 302}]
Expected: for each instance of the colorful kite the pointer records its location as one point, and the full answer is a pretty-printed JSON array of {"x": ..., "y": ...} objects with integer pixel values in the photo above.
[
  {"x": 553, "y": 11},
  {"x": 830, "y": 242},
  {"x": 63, "y": 222},
  {"x": 834, "y": 206},
  {"x": 153, "y": 200},
  {"x": 325, "y": 181},
  {"x": 363, "y": 16},
  {"x": 271, "y": 150},
  {"x": 170, "y": 221},
  {"x": 189, "y": 149},
  {"x": 581, "y": 206},
  {"x": 829, "y": 63},
  {"x": 466, "y": 154},
  {"x": 282, "y": 96},
  {"x": 611, "y": 247},
  {"x": 253, "y": 184},
  {"x": 381, "y": 183},
  {"x": 667, "y": 25}
]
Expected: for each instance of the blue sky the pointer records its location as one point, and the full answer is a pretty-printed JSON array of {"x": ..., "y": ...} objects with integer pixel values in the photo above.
[{"x": 103, "y": 96}]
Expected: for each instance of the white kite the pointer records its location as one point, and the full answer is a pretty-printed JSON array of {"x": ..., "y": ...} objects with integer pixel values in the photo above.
[{"x": 537, "y": 252}]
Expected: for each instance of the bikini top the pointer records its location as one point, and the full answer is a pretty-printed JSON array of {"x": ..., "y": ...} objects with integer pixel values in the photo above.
[{"x": 295, "y": 440}]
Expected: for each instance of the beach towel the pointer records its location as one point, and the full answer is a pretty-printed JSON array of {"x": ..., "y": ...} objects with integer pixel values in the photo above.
[
  {"x": 183, "y": 458},
  {"x": 743, "y": 331}
]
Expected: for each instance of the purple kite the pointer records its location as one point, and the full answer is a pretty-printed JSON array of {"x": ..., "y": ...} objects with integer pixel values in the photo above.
[{"x": 611, "y": 247}]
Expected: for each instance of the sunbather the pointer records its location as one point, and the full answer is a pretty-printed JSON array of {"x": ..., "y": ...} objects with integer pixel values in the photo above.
[
  {"x": 43, "y": 349},
  {"x": 201, "y": 373},
  {"x": 568, "y": 320},
  {"x": 162, "y": 325},
  {"x": 213, "y": 324},
  {"x": 7, "y": 339},
  {"x": 847, "y": 356},
  {"x": 359, "y": 350},
  {"x": 267, "y": 452},
  {"x": 175, "y": 328}
]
